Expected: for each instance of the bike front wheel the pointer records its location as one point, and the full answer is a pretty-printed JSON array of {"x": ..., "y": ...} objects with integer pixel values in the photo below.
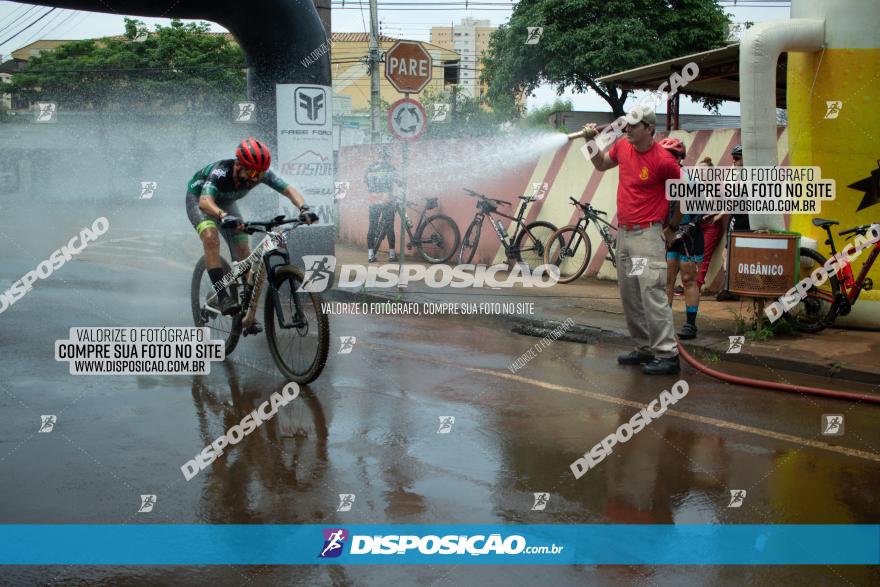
[
  {"x": 531, "y": 243},
  {"x": 569, "y": 250},
  {"x": 438, "y": 238},
  {"x": 469, "y": 243},
  {"x": 296, "y": 326},
  {"x": 205, "y": 309},
  {"x": 814, "y": 312}
]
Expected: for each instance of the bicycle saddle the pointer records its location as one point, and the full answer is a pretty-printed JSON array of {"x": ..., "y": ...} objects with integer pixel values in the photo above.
[
  {"x": 528, "y": 198},
  {"x": 822, "y": 223}
]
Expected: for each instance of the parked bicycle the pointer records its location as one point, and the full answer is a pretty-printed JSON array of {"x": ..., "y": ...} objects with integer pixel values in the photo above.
[
  {"x": 571, "y": 249},
  {"x": 436, "y": 237},
  {"x": 527, "y": 243},
  {"x": 296, "y": 326},
  {"x": 839, "y": 293}
]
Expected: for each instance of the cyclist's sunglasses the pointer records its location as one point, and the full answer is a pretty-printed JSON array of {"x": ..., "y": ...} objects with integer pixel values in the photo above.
[{"x": 253, "y": 173}]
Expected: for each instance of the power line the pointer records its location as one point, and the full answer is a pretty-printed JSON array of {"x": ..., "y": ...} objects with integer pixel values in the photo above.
[
  {"x": 32, "y": 8},
  {"x": 462, "y": 3},
  {"x": 11, "y": 14},
  {"x": 49, "y": 22},
  {"x": 45, "y": 14}
]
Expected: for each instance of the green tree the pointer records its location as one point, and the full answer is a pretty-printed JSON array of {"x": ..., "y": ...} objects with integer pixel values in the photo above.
[
  {"x": 178, "y": 67},
  {"x": 540, "y": 117},
  {"x": 467, "y": 116},
  {"x": 585, "y": 39}
]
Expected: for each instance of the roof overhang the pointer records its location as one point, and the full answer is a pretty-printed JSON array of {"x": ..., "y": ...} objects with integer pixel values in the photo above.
[{"x": 718, "y": 77}]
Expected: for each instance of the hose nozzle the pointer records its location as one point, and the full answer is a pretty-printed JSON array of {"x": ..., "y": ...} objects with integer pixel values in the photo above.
[{"x": 576, "y": 135}]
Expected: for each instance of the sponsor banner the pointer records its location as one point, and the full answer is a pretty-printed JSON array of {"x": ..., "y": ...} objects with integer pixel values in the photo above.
[
  {"x": 586, "y": 544},
  {"x": 305, "y": 145}
]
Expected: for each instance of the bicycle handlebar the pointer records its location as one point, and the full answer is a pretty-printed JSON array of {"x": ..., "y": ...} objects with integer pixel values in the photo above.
[
  {"x": 485, "y": 197},
  {"x": 587, "y": 207},
  {"x": 858, "y": 229},
  {"x": 266, "y": 226}
]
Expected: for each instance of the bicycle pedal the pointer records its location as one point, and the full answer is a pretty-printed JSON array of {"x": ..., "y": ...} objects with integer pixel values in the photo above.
[{"x": 868, "y": 285}]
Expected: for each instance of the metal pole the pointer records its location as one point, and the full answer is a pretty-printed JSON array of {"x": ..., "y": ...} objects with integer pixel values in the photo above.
[
  {"x": 374, "y": 73},
  {"x": 405, "y": 181}
]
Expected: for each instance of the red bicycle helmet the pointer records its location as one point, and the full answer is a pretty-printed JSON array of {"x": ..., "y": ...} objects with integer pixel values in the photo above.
[
  {"x": 253, "y": 154},
  {"x": 674, "y": 146}
]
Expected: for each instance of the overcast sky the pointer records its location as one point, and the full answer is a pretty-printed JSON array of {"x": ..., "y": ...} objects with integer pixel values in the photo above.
[{"x": 412, "y": 24}]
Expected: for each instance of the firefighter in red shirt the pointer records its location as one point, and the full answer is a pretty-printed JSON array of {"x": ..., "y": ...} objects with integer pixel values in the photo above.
[{"x": 644, "y": 166}]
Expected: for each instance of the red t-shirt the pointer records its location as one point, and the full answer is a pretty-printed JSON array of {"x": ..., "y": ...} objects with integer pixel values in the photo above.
[{"x": 641, "y": 187}]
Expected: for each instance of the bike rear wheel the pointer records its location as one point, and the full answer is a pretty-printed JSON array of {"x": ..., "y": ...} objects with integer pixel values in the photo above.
[
  {"x": 531, "y": 243},
  {"x": 296, "y": 327},
  {"x": 569, "y": 250},
  {"x": 438, "y": 238},
  {"x": 814, "y": 312},
  {"x": 226, "y": 328},
  {"x": 469, "y": 243}
]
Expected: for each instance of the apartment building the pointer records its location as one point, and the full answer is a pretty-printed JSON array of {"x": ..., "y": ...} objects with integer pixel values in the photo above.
[{"x": 470, "y": 39}]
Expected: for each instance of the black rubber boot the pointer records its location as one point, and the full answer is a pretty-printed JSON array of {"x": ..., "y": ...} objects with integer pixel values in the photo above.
[
  {"x": 664, "y": 366},
  {"x": 635, "y": 358}
]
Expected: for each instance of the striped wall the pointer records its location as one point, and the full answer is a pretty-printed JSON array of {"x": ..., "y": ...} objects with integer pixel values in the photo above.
[{"x": 565, "y": 171}]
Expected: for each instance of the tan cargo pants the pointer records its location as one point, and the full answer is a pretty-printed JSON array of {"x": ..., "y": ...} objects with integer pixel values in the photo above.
[{"x": 641, "y": 276}]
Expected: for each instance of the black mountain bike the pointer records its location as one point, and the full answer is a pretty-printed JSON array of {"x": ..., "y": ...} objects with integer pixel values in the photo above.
[
  {"x": 436, "y": 237},
  {"x": 296, "y": 326},
  {"x": 571, "y": 249},
  {"x": 527, "y": 243}
]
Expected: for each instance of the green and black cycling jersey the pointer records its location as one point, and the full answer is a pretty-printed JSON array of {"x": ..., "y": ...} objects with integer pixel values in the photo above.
[{"x": 216, "y": 180}]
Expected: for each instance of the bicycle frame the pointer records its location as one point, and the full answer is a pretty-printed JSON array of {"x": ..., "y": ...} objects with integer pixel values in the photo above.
[
  {"x": 850, "y": 285},
  {"x": 606, "y": 236},
  {"x": 263, "y": 269},
  {"x": 511, "y": 238},
  {"x": 407, "y": 224},
  {"x": 589, "y": 214}
]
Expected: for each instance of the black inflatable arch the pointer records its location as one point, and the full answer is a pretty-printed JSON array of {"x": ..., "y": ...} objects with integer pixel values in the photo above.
[{"x": 274, "y": 34}]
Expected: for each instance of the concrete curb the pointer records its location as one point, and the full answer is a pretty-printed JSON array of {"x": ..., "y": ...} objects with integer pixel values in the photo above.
[{"x": 585, "y": 333}]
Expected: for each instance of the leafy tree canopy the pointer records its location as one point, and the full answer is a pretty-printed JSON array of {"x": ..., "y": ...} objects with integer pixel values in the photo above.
[
  {"x": 586, "y": 39},
  {"x": 178, "y": 67}
]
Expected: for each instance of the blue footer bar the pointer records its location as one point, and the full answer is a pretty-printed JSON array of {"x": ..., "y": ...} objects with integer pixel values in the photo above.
[{"x": 281, "y": 544}]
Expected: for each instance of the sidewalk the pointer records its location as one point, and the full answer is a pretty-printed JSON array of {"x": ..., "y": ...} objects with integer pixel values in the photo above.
[{"x": 594, "y": 305}]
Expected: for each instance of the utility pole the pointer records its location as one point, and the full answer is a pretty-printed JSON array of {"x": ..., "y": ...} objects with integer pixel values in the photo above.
[{"x": 374, "y": 59}]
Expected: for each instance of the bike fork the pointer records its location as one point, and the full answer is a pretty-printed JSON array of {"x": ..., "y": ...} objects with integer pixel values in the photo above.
[{"x": 298, "y": 318}]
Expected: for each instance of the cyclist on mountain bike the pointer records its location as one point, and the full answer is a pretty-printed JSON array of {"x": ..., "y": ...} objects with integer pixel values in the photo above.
[{"x": 211, "y": 206}]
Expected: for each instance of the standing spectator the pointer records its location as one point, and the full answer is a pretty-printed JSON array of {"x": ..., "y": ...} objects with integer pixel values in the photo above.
[
  {"x": 739, "y": 222},
  {"x": 685, "y": 251},
  {"x": 742, "y": 220},
  {"x": 713, "y": 230},
  {"x": 641, "y": 249},
  {"x": 380, "y": 179}
]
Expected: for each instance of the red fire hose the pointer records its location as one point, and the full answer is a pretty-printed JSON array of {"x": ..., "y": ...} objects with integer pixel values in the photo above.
[{"x": 819, "y": 391}]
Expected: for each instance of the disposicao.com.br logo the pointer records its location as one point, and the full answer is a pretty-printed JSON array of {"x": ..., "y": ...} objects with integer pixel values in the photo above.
[
  {"x": 334, "y": 541},
  {"x": 319, "y": 271}
]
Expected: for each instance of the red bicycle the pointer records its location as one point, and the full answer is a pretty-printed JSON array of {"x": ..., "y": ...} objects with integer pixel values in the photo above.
[{"x": 836, "y": 297}]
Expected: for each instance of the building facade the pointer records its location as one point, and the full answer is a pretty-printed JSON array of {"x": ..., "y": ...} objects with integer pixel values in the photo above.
[{"x": 470, "y": 39}]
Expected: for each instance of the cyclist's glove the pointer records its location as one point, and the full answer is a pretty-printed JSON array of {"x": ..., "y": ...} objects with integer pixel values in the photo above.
[
  {"x": 684, "y": 230},
  {"x": 308, "y": 217},
  {"x": 230, "y": 221}
]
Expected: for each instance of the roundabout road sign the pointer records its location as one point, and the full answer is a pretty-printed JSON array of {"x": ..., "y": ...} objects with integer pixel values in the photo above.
[{"x": 407, "y": 119}]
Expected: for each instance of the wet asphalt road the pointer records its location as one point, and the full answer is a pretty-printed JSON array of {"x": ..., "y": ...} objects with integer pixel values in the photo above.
[{"x": 369, "y": 424}]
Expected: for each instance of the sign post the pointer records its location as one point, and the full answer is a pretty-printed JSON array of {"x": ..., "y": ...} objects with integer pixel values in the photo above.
[{"x": 409, "y": 68}]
